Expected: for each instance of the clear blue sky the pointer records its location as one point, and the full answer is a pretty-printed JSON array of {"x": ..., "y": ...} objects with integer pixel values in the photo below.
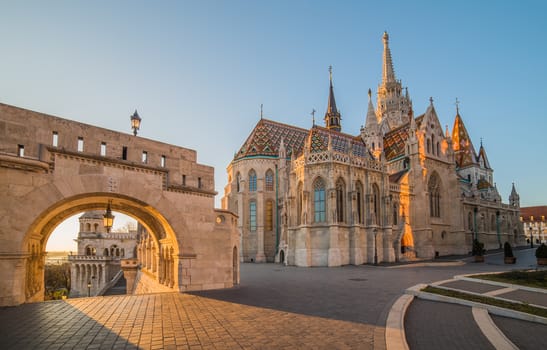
[{"x": 197, "y": 71}]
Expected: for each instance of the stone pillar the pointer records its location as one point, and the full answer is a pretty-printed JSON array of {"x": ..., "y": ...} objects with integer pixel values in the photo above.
[
  {"x": 260, "y": 256},
  {"x": 130, "y": 267}
]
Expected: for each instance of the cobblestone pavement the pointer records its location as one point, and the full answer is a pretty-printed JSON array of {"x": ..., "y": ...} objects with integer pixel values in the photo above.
[
  {"x": 170, "y": 321},
  {"x": 274, "y": 307}
]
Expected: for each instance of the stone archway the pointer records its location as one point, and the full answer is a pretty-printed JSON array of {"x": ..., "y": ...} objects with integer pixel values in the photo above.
[
  {"x": 168, "y": 192},
  {"x": 155, "y": 224}
]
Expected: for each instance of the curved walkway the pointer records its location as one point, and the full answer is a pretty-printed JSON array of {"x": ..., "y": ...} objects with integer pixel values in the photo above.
[{"x": 433, "y": 321}]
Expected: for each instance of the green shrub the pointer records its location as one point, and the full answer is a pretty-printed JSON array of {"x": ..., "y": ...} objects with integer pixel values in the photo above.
[
  {"x": 541, "y": 252},
  {"x": 478, "y": 247},
  {"x": 507, "y": 250}
]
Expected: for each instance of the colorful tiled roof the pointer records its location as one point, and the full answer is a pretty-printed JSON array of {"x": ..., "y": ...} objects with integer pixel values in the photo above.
[
  {"x": 463, "y": 147},
  {"x": 340, "y": 142},
  {"x": 266, "y": 137},
  {"x": 395, "y": 140}
]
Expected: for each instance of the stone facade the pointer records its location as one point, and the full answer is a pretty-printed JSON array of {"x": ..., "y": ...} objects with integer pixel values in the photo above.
[
  {"x": 97, "y": 261},
  {"x": 402, "y": 188},
  {"x": 52, "y": 168}
]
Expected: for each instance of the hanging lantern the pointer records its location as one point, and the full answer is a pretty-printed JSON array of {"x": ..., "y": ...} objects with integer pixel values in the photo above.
[{"x": 108, "y": 218}]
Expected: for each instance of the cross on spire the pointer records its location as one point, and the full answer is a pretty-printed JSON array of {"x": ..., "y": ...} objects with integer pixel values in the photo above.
[
  {"x": 313, "y": 116},
  {"x": 457, "y": 103},
  {"x": 261, "y": 111}
]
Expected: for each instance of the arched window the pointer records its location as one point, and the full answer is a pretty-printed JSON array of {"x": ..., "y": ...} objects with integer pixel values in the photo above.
[
  {"x": 88, "y": 251},
  {"x": 340, "y": 200},
  {"x": 269, "y": 215},
  {"x": 433, "y": 144},
  {"x": 269, "y": 180},
  {"x": 88, "y": 227},
  {"x": 105, "y": 252},
  {"x": 238, "y": 179},
  {"x": 434, "y": 196},
  {"x": 395, "y": 214},
  {"x": 359, "y": 190},
  {"x": 428, "y": 146},
  {"x": 96, "y": 227},
  {"x": 438, "y": 149},
  {"x": 299, "y": 194},
  {"x": 252, "y": 216},
  {"x": 252, "y": 181},
  {"x": 376, "y": 204},
  {"x": 319, "y": 208}
]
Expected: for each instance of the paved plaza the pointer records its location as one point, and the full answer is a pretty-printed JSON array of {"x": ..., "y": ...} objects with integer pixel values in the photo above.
[{"x": 274, "y": 307}]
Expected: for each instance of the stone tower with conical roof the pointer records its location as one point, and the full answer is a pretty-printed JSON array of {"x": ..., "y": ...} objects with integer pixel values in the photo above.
[{"x": 393, "y": 105}]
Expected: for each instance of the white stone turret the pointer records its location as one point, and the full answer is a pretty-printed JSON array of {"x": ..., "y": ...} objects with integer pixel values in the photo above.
[{"x": 371, "y": 133}]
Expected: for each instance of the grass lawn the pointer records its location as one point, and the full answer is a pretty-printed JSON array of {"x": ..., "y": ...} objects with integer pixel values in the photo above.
[
  {"x": 487, "y": 300},
  {"x": 536, "y": 279}
]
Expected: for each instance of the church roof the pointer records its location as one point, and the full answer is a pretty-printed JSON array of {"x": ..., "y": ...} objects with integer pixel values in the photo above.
[
  {"x": 266, "y": 137},
  {"x": 320, "y": 138},
  {"x": 482, "y": 156},
  {"x": 395, "y": 140},
  {"x": 462, "y": 145}
]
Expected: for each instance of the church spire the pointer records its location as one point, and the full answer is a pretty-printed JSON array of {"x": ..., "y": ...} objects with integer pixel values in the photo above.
[
  {"x": 332, "y": 116},
  {"x": 388, "y": 75},
  {"x": 393, "y": 103}
]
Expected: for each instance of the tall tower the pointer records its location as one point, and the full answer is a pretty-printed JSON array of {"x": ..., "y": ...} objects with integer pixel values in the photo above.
[
  {"x": 332, "y": 116},
  {"x": 392, "y": 103},
  {"x": 514, "y": 198}
]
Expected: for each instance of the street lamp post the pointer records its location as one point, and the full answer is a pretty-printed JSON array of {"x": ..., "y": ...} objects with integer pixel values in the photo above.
[
  {"x": 88, "y": 288},
  {"x": 375, "y": 231},
  {"x": 135, "y": 122}
]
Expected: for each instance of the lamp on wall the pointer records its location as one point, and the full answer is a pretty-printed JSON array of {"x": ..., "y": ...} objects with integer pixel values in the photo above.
[
  {"x": 108, "y": 218},
  {"x": 135, "y": 122}
]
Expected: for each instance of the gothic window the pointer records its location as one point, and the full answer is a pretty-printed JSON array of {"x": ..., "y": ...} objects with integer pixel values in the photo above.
[
  {"x": 269, "y": 215},
  {"x": 359, "y": 190},
  {"x": 395, "y": 214},
  {"x": 238, "y": 179},
  {"x": 252, "y": 181},
  {"x": 319, "y": 200},
  {"x": 376, "y": 203},
  {"x": 96, "y": 227},
  {"x": 340, "y": 207},
  {"x": 252, "y": 216},
  {"x": 434, "y": 196},
  {"x": 269, "y": 180},
  {"x": 438, "y": 149},
  {"x": 299, "y": 204},
  {"x": 428, "y": 146},
  {"x": 433, "y": 144}
]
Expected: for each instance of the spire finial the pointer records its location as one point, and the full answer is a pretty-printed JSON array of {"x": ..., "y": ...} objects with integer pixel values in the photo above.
[
  {"x": 388, "y": 74},
  {"x": 261, "y": 111},
  {"x": 481, "y": 142},
  {"x": 369, "y": 94},
  {"x": 457, "y": 103},
  {"x": 313, "y": 116},
  {"x": 431, "y": 101},
  {"x": 330, "y": 74}
]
